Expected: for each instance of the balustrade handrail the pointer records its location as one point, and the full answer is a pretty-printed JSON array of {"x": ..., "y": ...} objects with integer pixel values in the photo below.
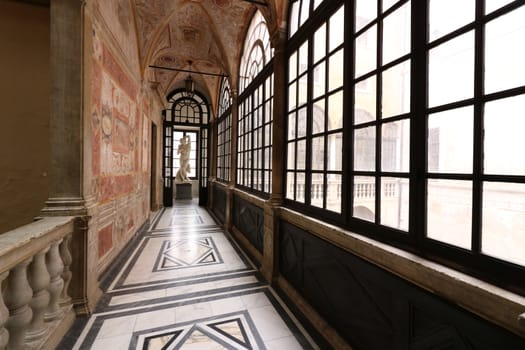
[
  {"x": 35, "y": 261},
  {"x": 26, "y": 241}
]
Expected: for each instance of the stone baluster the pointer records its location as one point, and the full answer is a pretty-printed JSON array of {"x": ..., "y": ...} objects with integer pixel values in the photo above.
[
  {"x": 17, "y": 295},
  {"x": 4, "y": 315},
  {"x": 39, "y": 279},
  {"x": 55, "y": 268},
  {"x": 67, "y": 259}
]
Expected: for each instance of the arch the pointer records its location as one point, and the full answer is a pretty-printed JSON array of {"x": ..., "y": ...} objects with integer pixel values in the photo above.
[
  {"x": 257, "y": 51},
  {"x": 187, "y": 110}
]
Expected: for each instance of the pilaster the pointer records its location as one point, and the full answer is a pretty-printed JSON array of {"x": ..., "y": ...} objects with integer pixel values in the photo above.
[
  {"x": 270, "y": 268},
  {"x": 65, "y": 124},
  {"x": 233, "y": 160}
]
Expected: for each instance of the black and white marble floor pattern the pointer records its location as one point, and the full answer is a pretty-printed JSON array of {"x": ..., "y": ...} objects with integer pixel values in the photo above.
[{"x": 186, "y": 285}]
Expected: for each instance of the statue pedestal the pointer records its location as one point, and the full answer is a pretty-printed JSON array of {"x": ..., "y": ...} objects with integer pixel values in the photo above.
[{"x": 183, "y": 191}]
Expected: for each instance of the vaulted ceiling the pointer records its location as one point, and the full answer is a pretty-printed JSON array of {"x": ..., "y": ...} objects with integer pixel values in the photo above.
[{"x": 171, "y": 33}]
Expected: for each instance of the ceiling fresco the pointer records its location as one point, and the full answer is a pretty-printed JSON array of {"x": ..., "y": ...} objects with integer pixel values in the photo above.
[{"x": 172, "y": 33}]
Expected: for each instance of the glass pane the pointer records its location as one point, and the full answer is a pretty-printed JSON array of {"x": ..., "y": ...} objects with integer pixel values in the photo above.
[
  {"x": 294, "y": 18},
  {"x": 303, "y": 89},
  {"x": 301, "y": 122},
  {"x": 320, "y": 43},
  {"x": 290, "y": 164},
  {"x": 335, "y": 111},
  {"x": 292, "y": 96},
  {"x": 504, "y": 126},
  {"x": 318, "y": 117},
  {"x": 303, "y": 57},
  {"x": 491, "y": 5},
  {"x": 365, "y": 12},
  {"x": 365, "y": 149},
  {"x": 336, "y": 69},
  {"x": 504, "y": 57},
  {"x": 301, "y": 154},
  {"x": 317, "y": 190},
  {"x": 305, "y": 11},
  {"x": 449, "y": 211},
  {"x": 450, "y": 141},
  {"x": 334, "y": 192},
  {"x": 451, "y": 70},
  {"x": 388, "y": 4},
  {"x": 396, "y": 90},
  {"x": 334, "y": 156},
  {"x": 300, "y": 187},
  {"x": 396, "y": 34},
  {"x": 337, "y": 25},
  {"x": 442, "y": 21},
  {"x": 366, "y": 51},
  {"x": 395, "y": 146},
  {"x": 365, "y": 101},
  {"x": 291, "y": 126},
  {"x": 364, "y": 198},
  {"x": 319, "y": 80},
  {"x": 292, "y": 66},
  {"x": 394, "y": 202},
  {"x": 318, "y": 153},
  {"x": 290, "y": 185},
  {"x": 503, "y": 232}
]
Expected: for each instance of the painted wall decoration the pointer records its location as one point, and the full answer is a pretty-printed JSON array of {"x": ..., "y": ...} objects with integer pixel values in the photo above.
[
  {"x": 120, "y": 137},
  {"x": 118, "y": 17}
]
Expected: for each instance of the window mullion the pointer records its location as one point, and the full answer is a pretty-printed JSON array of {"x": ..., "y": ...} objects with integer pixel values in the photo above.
[
  {"x": 379, "y": 95},
  {"x": 478, "y": 127},
  {"x": 418, "y": 122}
]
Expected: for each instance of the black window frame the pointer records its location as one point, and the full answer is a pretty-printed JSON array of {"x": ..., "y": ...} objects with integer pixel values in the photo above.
[{"x": 471, "y": 261}]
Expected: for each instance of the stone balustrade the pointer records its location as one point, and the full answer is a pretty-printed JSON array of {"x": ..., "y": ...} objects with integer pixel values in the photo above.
[{"x": 35, "y": 260}]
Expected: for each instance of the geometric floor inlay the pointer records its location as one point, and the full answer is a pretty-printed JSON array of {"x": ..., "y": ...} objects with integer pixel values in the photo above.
[
  {"x": 184, "y": 220},
  {"x": 230, "y": 333},
  {"x": 187, "y": 252}
]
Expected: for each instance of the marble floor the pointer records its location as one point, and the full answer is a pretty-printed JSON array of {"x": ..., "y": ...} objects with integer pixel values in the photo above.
[{"x": 184, "y": 284}]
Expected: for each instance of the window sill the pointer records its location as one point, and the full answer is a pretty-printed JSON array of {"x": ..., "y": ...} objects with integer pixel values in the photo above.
[{"x": 492, "y": 303}]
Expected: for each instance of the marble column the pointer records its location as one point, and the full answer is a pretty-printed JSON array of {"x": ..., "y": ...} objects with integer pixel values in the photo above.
[{"x": 270, "y": 268}]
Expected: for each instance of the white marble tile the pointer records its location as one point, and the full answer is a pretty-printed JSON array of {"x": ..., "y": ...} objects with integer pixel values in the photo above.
[
  {"x": 154, "y": 319},
  {"x": 226, "y": 305},
  {"x": 193, "y": 312},
  {"x": 253, "y": 301},
  {"x": 269, "y": 323},
  {"x": 112, "y": 343},
  {"x": 117, "y": 326},
  {"x": 288, "y": 343}
]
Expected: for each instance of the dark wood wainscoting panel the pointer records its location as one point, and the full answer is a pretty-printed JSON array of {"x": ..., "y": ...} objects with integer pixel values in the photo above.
[
  {"x": 219, "y": 203},
  {"x": 376, "y": 310},
  {"x": 249, "y": 219}
]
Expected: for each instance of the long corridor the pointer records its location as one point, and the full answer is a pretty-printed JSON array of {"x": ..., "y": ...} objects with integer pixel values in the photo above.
[{"x": 184, "y": 284}]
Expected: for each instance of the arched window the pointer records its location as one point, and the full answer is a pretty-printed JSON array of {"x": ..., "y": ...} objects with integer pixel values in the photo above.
[
  {"x": 224, "y": 132},
  {"x": 257, "y": 52},
  {"x": 187, "y": 110},
  {"x": 255, "y": 103}
]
